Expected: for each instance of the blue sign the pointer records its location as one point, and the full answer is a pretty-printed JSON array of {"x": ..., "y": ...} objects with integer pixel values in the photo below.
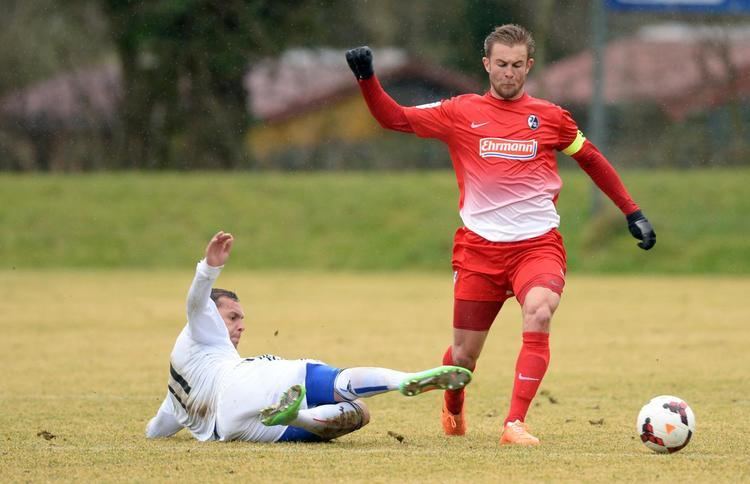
[{"x": 696, "y": 6}]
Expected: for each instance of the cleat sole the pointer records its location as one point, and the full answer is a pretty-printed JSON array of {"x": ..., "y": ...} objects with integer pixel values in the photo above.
[
  {"x": 286, "y": 409},
  {"x": 441, "y": 378}
]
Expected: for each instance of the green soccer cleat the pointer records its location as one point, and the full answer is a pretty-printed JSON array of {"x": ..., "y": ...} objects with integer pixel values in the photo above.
[
  {"x": 286, "y": 410},
  {"x": 440, "y": 378}
]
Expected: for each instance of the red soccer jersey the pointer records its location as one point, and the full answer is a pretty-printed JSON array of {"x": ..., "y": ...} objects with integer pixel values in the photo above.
[{"x": 503, "y": 153}]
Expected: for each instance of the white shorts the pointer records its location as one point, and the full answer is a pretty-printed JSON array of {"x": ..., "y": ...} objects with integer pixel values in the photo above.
[{"x": 251, "y": 386}]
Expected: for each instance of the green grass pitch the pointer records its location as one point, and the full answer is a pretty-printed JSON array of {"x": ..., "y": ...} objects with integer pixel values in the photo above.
[{"x": 84, "y": 356}]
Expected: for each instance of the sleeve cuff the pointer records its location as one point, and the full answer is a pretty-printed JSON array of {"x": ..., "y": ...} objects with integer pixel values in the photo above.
[
  {"x": 632, "y": 217},
  {"x": 207, "y": 270}
]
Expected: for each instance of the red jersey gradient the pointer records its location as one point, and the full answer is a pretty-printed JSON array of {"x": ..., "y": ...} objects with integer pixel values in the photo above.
[
  {"x": 503, "y": 153},
  {"x": 504, "y": 156}
]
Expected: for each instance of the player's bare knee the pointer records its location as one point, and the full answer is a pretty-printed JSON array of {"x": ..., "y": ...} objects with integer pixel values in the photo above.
[
  {"x": 364, "y": 411},
  {"x": 537, "y": 318},
  {"x": 464, "y": 359}
]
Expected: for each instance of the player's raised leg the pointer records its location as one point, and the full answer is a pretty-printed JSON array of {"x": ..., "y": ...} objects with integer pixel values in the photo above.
[
  {"x": 334, "y": 397},
  {"x": 354, "y": 383}
]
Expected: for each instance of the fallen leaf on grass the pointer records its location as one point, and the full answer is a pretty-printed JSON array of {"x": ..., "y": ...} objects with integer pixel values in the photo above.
[
  {"x": 597, "y": 422},
  {"x": 46, "y": 435},
  {"x": 546, "y": 393},
  {"x": 396, "y": 436}
]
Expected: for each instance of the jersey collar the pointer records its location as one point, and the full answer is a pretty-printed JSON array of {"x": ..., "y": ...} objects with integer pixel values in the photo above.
[{"x": 523, "y": 97}]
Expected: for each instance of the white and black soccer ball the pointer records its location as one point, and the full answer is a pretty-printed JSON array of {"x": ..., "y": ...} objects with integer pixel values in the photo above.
[{"x": 666, "y": 424}]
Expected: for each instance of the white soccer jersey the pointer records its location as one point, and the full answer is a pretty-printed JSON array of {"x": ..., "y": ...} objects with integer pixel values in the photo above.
[
  {"x": 212, "y": 391},
  {"x": 201, "y": 358}
]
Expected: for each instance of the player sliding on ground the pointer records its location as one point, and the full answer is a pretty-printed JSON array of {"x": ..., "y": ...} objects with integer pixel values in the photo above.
[
  {"x": 503, "y": 146},
  {"x": 218, "y": 395}
]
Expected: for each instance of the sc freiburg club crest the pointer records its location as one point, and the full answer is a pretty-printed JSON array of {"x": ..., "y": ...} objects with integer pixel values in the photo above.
[{"x": 533, "y": 121}]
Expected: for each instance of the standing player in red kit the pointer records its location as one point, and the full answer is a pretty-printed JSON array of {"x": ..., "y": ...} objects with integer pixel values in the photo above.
[{"x": 503, "y": 146}]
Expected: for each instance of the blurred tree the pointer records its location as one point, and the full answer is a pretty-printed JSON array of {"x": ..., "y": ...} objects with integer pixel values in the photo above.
[
  {"x": 42, "y": 37},
  {"x": 39, "y": 39},
  {"x": 183, "y": 62},
  {"x": 450, "y": 32}
]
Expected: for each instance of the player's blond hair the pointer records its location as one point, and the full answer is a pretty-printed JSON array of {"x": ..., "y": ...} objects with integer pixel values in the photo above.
[{"x": 510, "y": 35}]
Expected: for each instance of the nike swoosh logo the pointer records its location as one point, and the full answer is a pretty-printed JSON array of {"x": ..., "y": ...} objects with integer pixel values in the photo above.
[
  {"x": 478, "y": 125},
  {"x": 527, "y": 378}
]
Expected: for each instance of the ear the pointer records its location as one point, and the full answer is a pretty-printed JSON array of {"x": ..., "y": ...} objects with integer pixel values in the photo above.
[
  {"x": 529, "y": 63},
  {"x": 486, "y": 63}
]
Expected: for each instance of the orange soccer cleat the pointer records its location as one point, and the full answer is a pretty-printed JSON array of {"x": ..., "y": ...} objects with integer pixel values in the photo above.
[
  {"x": 517, "y": 433},
  {"x": 453, "y": 424}
]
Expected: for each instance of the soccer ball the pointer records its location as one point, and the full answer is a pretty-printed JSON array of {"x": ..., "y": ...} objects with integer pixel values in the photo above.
[{"x": 666, "y": 424}]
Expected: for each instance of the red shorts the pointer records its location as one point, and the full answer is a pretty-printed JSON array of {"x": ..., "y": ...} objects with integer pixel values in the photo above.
[{"x": 495, "y": 271}]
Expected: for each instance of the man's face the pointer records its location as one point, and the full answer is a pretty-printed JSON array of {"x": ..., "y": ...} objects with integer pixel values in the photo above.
[
  {"x": 508, "y": 67},
  {"x": 233, "y": 316}
]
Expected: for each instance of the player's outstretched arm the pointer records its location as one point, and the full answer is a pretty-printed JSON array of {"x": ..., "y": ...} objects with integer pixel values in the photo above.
[
  {"x": 606, "y": 178},
  {"x": 384, "y": 109},
  {"x": 641, "y": 229},
  {"x": 204, "y": 321}
]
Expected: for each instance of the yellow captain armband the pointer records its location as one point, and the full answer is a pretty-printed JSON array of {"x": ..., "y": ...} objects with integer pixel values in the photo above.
[{"x": 576, "y": 145}]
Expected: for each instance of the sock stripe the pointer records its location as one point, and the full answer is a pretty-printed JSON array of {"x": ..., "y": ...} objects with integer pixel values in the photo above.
[{"x": 362, "y": 390}]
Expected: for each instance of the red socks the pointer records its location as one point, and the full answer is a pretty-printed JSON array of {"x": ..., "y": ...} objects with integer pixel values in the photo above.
[
  {"x": 454, "y": 399},
  {"x": 530, "y": 368}
]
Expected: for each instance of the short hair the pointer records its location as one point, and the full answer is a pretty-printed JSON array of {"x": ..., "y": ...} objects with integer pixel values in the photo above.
[
  {"x": 510, "y": 35},
  {"x": 217, "y": 293}
]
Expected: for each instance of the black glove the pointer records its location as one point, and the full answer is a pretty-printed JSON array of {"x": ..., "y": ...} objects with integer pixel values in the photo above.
[
  {"x": 641, "y": 229},
  {"x": 360, "y": 62}
]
